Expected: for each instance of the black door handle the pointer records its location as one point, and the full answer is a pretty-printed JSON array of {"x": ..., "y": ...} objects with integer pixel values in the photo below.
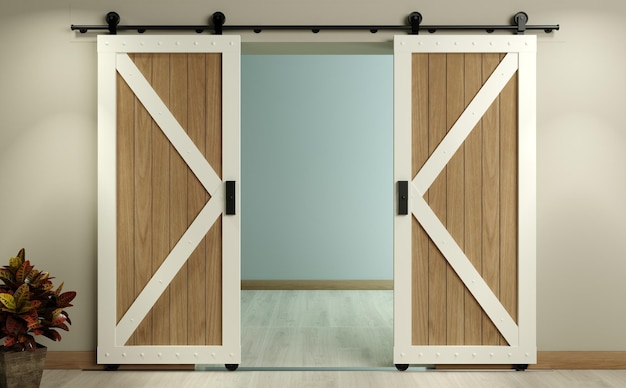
[
  {"x": 403, "y": 198},
  {"x": 230, "y": 197}
]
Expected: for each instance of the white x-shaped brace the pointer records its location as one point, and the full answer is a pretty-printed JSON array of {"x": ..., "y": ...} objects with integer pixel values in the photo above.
[
  {"x": 429, "y": 220},
  {"x": 203, "y": 221}
]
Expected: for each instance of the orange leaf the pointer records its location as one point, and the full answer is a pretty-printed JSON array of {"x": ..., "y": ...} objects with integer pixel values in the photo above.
[
  {"x": 23, "y": 271},
  {"x": 21, "y": 295},
  {"x": 9, "y": 341},
  {"x": 31, "y": 318},
  {"x": 65, "y": 298}
]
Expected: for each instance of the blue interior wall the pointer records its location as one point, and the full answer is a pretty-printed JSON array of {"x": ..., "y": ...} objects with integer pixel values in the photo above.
[{"x": 317, "y": 187}]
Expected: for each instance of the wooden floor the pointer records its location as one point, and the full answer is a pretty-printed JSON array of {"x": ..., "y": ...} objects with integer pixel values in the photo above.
[
  {"x": 347, "y": 379},
  {"x": 317, "y": 328},
  {"x": 325, "y": 339}
]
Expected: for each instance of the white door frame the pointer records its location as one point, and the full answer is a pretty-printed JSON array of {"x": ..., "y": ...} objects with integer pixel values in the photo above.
[
  {"x": 521, "y": 57},
  {"x": 112, "y": 335}
]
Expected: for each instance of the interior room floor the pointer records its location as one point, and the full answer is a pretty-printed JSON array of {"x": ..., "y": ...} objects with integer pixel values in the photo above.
[
  {"x": 317, "y": 328},
  {"x": 351, "y": 379}
]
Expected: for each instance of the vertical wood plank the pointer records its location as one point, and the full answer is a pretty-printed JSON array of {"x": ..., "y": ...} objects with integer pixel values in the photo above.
[
  {"x": 143, "y": 199},
  {"x": 214, "y": 111},
  {"x": 508, "y": 197},
  {"x": 473, "y": 203},
  {"x": 197, "y": 199},
  {"x": 178, "y": 200},
  {"x": 437, "y": 200},
  {"x": 125, "y": 198},
  {"x": 491, "y": 199},
  {"x": 213, "y": 143},
  {"x": 455, "y": 204},
  {"x": 419, "y": 267},
  {"x": 213, "y": 284},
  {"x": 161, "y": 199}
]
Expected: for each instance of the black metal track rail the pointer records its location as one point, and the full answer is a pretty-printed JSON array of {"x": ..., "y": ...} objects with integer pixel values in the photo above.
[{"x": 217, "y": 26}]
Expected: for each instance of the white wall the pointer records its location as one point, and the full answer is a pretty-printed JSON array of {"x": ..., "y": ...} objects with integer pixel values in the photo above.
[
  {"x": 316, "y": 167},
  {"x": 48, "y": 140}
]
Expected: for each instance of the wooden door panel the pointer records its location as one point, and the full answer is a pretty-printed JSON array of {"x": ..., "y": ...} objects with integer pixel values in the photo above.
[
  {"x": 182, "y": 309},
  {"x": 467, "y": 200},
  {"x": 175, "y": 254},
  {"x": 462, "y": 110}
]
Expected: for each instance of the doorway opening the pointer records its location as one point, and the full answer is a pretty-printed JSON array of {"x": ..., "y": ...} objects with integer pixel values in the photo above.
[{"x": 317, "y": 167}]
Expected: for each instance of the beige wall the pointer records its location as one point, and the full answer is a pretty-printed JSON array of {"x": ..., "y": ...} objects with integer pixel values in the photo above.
[{"x": 48, "y": 141}]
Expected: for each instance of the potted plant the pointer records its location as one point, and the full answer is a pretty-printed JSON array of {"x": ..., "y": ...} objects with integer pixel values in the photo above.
[{"x": 29, "y": 306}]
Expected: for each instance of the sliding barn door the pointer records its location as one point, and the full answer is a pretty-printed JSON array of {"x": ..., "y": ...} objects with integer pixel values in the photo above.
[
  {"x": 464, "y": 229},
  {"x": 168, "y": 203}
]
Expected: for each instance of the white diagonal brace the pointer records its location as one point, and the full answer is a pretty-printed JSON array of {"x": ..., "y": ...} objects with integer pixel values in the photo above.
[
  {"x": 169, "y": 268},
  {"x": 464, "y": 268},
  {"x": 168, "y": 123},
  {"x": 466, "y": 122}
]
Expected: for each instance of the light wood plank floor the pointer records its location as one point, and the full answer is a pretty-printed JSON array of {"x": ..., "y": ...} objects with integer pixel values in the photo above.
[
  {"x": 351, "y": 379},
  {"x": 317, "y": 328},
  {"x": 324, "y": 339}
]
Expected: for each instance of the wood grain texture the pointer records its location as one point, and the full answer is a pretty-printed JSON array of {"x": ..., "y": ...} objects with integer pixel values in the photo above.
[
  {"x": 509, "y": 197},
  {"x": 473, "y": 313},
  {"x": 419, "y": 155},
  {"x": 455, "y": 200},
  {"x": 125, "y": 198},
  {"x": 437, "y": 264},
  {"x": 213, "y": 146},
  {"x": 178, "y": 200},
  {"x": 214, "y": 111},
  {"x": 491, "y": 199},
  {"x": 213, "y": 283},
  {"x": 143, "y": 198},
  {"x": 197, "y": 198},
  {"x": 474, "y": 197},
  {"x": 162, "y": 196},
  {"x": 160, "y": 201}
]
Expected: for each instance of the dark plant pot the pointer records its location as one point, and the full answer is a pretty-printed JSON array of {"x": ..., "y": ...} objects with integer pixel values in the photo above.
[{"x": 21, "y": 369}]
